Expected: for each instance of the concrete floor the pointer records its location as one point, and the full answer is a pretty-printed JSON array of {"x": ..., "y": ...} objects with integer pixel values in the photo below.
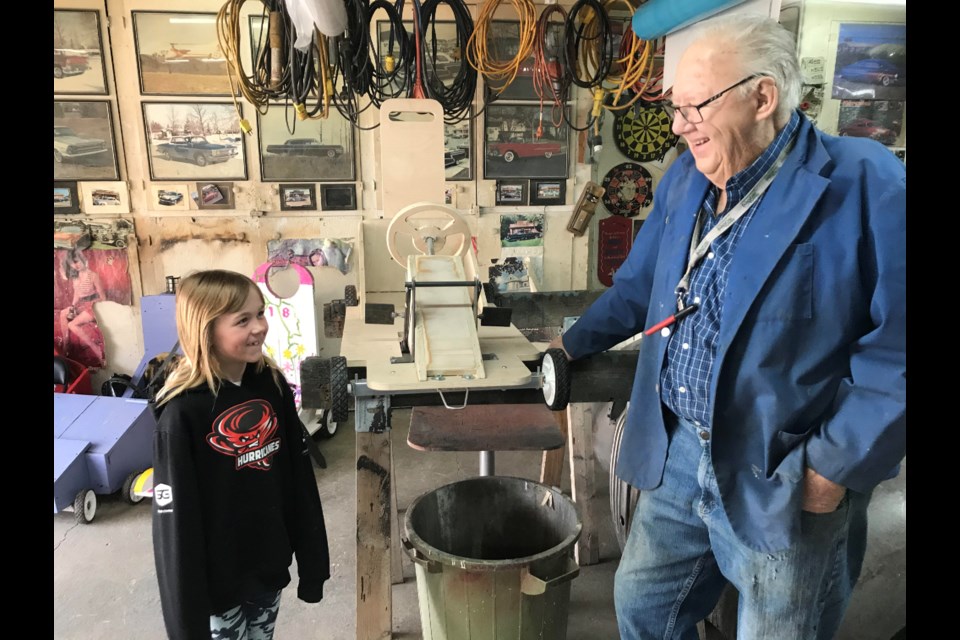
[{"x": 105, "y": 585}]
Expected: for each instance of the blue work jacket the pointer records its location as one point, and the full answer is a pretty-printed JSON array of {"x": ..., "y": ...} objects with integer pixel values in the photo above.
[{"x": 810, "y": 367}]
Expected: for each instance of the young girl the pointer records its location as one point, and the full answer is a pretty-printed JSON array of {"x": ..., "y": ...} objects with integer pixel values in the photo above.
[{"x": 234, "y": 492}]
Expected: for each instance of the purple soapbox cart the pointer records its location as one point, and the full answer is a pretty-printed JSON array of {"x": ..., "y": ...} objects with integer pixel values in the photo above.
[{"x": 101, "y": 444}]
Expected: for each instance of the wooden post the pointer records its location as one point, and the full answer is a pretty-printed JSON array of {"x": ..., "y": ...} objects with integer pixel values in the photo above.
[
  {"x": 374, "y": 597},
  {"x": 551, "y": 468},
  {"x": 582, "y": 475},
  {"x": 396, "y": 555}
]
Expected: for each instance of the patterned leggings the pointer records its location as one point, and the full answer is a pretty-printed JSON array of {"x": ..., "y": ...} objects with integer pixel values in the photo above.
[{"x": 252, "y": 620}]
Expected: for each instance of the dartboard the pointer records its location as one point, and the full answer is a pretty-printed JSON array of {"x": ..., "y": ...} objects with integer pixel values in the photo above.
[
  {"x": 627, "y": 188},
  {"x": 643, "y": 133}
]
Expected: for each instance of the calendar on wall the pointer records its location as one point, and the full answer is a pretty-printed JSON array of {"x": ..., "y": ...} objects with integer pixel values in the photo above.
[{"x": 293, "y": 325}]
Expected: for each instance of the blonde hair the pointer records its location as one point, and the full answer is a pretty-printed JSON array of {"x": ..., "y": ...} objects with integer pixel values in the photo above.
[{"x": 202, "y": 297}]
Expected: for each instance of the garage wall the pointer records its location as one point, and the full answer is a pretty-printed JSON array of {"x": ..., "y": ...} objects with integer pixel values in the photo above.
[{"x": 174, "y": 243}]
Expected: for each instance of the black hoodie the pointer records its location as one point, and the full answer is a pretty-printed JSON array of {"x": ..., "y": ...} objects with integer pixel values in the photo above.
[{"x": 234, "y": 498}]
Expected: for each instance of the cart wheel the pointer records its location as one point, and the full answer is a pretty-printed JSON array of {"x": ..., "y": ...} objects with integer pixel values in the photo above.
[
  {"x": 85, "y": 506},
  {"x": 339, "y": 396},
  {"x": 350, "y": 296},
  {"x": 623, "y": 497},
  {"x": 328, "y": 427},
  {"x": 126, "y": 491},
  {"x": 556, "y": 379}
]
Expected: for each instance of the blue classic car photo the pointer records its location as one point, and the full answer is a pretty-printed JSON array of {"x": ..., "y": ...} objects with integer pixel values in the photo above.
[
  {"x": 195, "y": 149},
  {"x": 872, "y": 71}
]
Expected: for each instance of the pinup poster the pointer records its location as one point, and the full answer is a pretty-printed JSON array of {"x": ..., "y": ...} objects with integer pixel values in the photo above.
[{"x": 82, "y": 278}]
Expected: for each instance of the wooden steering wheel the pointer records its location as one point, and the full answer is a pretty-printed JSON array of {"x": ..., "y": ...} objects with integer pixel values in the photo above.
[{"x": 427, "y": 222}]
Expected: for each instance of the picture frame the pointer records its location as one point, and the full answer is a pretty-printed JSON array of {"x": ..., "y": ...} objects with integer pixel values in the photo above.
[
  {"x": 548, "y": 192},
  {"x": 104, "y": 197},
  {"x": 503, "y": 45},
  {"x": 880, "y": 120},
  {"x": 870, "y": 62},
  {"x": 197, "y": 67},
  {"x": 338, "y": 197},
  {"x": 314, "y": 150},
  {"x": 84, "y": 146},
  {"x": 512, "y": 193},
  {"x": 512, "y": 150},
  {"x": 298, "y": 197},
  {"x": 66, "y": 200},
  {"x": 194, "y": 141},
  {"x": 78, "y": 62},
  {"x": 213, "y": 195},
  {"x": 169, "y": 197}
]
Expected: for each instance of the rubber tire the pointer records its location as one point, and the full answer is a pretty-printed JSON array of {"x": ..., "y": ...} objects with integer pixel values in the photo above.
[
  {"x": 885, "y": 81},
  {"x": 621, "y": 491},
  {"x": 126, "y": 490},
  {"x": 121, "y": 243},
  {"x": 57, "y": 156},
  {"x": 57, "y": 73},
  {"x": 331, "y": 153},
  {"x": 509, "y": 156},
  {"x": 548, "y": 154},
  {"x": 350, "y": 296},
  {"x": 200, "y": 160},
  {"x": 328, "y": 427},
  {"x": 339, "y": 396},
  {"x": 561, "y": 368},
  {"x": 85, "y": 506}
]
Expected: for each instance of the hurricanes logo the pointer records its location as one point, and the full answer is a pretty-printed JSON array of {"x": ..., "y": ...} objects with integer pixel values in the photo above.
[{"x": 245, "y": 432}]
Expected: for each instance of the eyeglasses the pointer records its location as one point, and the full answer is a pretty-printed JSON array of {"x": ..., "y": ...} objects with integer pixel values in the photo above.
[{"x": 691, "y": 112}]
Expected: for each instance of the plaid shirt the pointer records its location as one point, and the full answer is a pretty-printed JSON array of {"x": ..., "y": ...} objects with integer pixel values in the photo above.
[{"x": 691, "y": 351}]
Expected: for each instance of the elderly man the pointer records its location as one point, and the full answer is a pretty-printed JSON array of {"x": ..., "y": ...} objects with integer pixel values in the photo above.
[{"x": 769, "y": 397}]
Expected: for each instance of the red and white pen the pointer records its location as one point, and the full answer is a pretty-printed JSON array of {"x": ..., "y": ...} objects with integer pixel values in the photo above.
[{"x": 679, "y": 315}]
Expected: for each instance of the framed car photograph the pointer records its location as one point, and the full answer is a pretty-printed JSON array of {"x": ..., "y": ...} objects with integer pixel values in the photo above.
[
  {"x": 213, "y": 195},
  {"x": 548, "y": 192},
  {"x": 78, "y": 65},
  {"x": 338, "y": 197},
  {"x": 104, "y": 197},
  {"x": 512, "y": 148},
  {"x": 65, "y": 197},
  {"x": 83, "y": 142},
  {"x": 169, "y": 197},
  {"x": 503, "y": 44},
  {"x": 194, "y": 141},
  {"x": 871, "y": 62},
  {"x": 511, "y": 192},
  {"x": 298, "y": 197},
  {"x": 179, "y": 54},
  {"x": 458, "y": 150},
  {"x": 316, "y": 150}
]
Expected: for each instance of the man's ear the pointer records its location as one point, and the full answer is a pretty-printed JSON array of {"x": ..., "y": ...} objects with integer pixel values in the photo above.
[{"x": 767, "y": 98}]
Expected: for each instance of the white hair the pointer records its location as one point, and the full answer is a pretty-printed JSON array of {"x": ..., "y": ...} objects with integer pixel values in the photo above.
[{"x": 763, "y": 47}]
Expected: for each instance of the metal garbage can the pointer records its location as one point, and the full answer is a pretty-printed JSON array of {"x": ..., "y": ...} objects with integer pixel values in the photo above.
[{"x": 494, "y": 559}]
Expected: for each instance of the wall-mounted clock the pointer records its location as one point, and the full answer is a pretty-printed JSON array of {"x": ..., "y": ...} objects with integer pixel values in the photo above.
[
  {"x": 643, "y": 133},
  {"x": 627, "y": 188}
]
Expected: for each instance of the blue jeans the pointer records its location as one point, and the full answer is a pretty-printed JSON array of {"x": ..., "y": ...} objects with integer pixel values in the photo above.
[
  {"x": 254, "y": 619},
  {"x": 681, "y": 552}
]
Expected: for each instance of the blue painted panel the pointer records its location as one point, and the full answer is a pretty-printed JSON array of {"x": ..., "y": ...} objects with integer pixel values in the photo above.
[
  {"x": 67, "y": 407},
  {"x": 70, "y": 475},
  {"x": 120, "y": 432}
]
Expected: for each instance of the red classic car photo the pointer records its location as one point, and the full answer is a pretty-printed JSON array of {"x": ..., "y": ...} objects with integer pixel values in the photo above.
[
  {"x": 513, "y": 149},
  {"x": 866, "y": 128}
]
